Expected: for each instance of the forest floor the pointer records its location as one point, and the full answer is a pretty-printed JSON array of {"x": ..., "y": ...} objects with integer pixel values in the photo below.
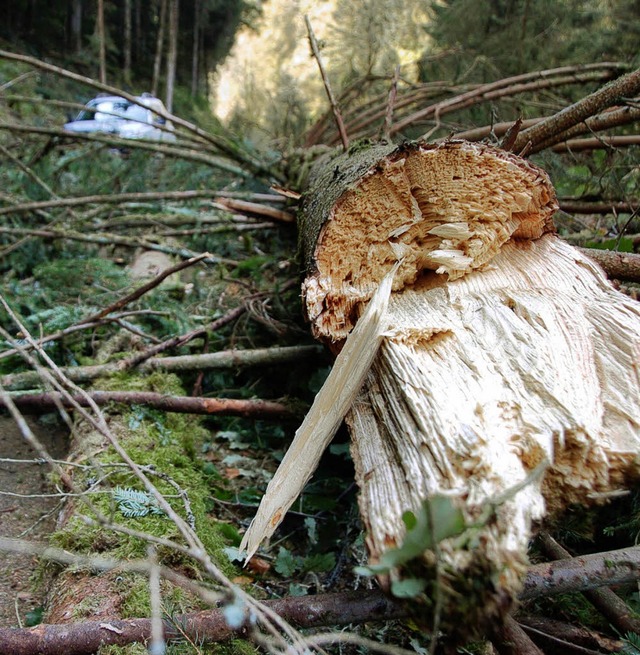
[{"x": 30, "y": 514}]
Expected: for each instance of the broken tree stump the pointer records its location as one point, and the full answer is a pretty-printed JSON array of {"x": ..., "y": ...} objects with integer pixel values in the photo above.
[{"x": 506, "y": 385}]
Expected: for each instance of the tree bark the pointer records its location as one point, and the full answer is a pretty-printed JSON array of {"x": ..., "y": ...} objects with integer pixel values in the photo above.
[
  {"x": 102, "y": 47},
  {"x": 128, "y": 45},
  {"x": 504, "y": 386},
  {"x": 195, "y": 52},
  {"x": 76, "y": 25},
  {"x": 40, "y": 403},
  {"x": 172, "y": 53},
  {"x": 157, "y": 61}
]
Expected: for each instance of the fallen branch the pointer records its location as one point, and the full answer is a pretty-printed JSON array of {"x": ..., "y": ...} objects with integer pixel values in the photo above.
[
  {"x": 88, "y": 637},
  {"x": 595, "y": 143},
  {"x": 110, "y": 199},
  {"x": 582, "y": 573},
  {"x": 470, "y": 95},
  {"x": 604, "y": 600},
  {"x": 617, "y": 265},
  {"x": 38, "y": 403},
  {"x": 255, "y": 208},
  {"x": 78, "y": 327},
  {"x": 222, "y": 359},
  {"x": 511, "y": 639},
  {"x": 114, "y": 239},
  {"x": 563, "y": 576},
  {"x": 604, "y": 121},
  {"x": 188, "y": 154},
  {"x": 182, "y": 339},
  {"x": 151, "y": 284},
  {"x": 566, "y": 637},
  {"x": 508, "y": 87},
  {"x": 571, "y": 206},
  {"x": 623, "y": 87}
]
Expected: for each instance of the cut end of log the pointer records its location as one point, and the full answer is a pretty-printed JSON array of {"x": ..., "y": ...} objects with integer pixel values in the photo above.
[{"x": 443, "y": 208}]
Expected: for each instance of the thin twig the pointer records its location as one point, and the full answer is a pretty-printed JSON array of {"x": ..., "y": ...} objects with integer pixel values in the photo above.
[
  {"x": 334, "y": 105},
  {"x": 116, "y": 239},
  {"x": 78, "y": 327},
  {"x": 145, "y": 288},
  {"x": 391, "y": 101}
]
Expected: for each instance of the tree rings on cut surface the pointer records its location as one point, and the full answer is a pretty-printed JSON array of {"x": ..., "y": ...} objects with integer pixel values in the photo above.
[{"x": 445, "y": 209}]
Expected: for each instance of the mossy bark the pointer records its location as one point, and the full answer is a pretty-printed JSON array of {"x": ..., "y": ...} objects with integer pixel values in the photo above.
[{"x": 165, "y": 446}]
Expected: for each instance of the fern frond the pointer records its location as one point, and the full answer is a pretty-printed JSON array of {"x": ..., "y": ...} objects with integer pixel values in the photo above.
[{"x": 134, "y": 504}]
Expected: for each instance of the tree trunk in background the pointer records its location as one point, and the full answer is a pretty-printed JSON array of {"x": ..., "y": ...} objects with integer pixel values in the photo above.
[
  {"x": 195, "y": 65},
  {"x": 127, "y": 42},
  {"x": 172, "y": 55},
  {"x": 102, "y": 50},
  {"x": 139, "y": 40},
  {"x": 76, "y": 25},
  {"x": 157, "y": 62}
]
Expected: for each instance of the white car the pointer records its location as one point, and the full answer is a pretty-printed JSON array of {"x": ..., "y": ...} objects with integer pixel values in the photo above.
[{"x": 118, "y": 116}]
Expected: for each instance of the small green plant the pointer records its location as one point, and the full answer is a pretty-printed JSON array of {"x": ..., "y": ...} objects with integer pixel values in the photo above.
[
  {"x": 437, "y": 519},
  {"x": 134, "y": 504},
  {"x": 631, "y": 644}
]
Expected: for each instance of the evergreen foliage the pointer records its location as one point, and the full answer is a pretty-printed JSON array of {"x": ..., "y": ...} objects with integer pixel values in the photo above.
[
  {"x": 484, "y": 40},
  {"x": 67, "y": 31}
]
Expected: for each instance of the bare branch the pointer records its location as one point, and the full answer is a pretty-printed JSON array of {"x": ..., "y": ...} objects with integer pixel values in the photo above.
[
  {"x": 605, "y": 600},
  {"x": 257, "y": 409},
  {"x": 110, "y": 199},
  {"x": 617, "y": 265},
  {"x": 115, "y": 239},
  {"x": 508, "y": 87},
  {"x": 223, "y": 359},
  {"x": 254, "y": 208},
  {"x": 391, "y": 101},
  {"x": 595, "y": 143},
  {"x": 626, "y": 86},
  {"x": 334, "y": 105}
]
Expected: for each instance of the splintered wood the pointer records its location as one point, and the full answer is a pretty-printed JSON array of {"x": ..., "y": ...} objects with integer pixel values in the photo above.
[{"x": 504, "y": 353}]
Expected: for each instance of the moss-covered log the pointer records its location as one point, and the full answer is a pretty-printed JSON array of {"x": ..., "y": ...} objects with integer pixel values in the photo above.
[{"x": 165, "y": 447}]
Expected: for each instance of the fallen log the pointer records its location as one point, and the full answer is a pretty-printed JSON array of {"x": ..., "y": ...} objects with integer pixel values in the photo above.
[{"x": 505, "y": 385}]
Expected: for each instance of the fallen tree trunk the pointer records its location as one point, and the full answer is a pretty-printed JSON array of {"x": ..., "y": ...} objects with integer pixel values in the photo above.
[{"x": 506, "y": 353}]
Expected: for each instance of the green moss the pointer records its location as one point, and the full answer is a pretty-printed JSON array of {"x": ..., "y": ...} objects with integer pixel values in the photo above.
[
  {"x": 86, "y": 608},
  {"x": 131, "y": 649},
  {"x": 157, "y": 381},
  {"x": 165, "y": 445}
]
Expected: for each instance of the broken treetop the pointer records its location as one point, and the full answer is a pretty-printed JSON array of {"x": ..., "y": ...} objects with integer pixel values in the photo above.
[{"x": 444, "y": 209}]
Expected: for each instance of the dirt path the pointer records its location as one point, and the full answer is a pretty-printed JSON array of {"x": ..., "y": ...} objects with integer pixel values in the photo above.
[{"x": 28, "y": 518}]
